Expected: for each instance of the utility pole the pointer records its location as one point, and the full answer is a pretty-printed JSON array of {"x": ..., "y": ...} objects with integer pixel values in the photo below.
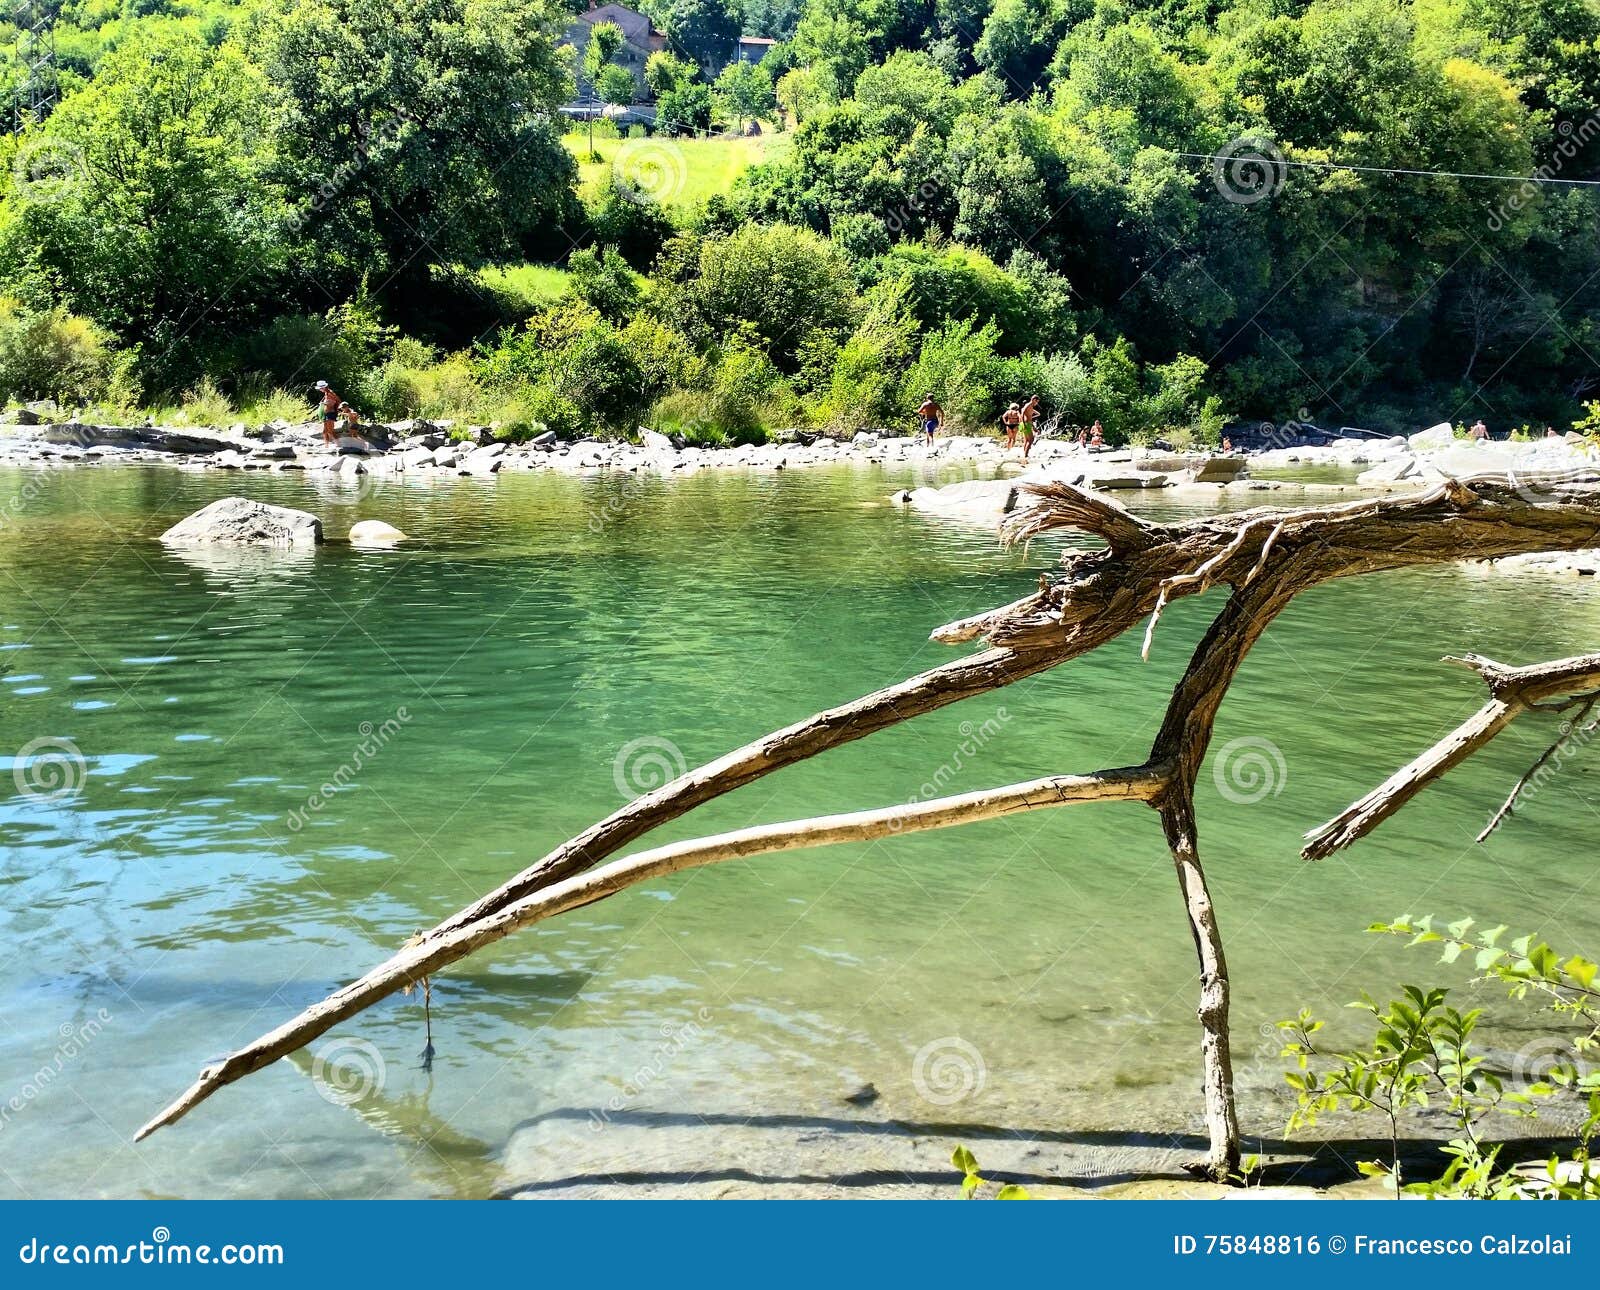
[{"x": 39, "y": 85}]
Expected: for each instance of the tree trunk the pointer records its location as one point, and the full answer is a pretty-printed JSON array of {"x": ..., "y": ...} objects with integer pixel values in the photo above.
[{"x": 1222, "y": 1119}]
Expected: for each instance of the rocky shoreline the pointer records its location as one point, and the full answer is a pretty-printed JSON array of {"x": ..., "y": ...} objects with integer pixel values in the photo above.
[{"x": 963, "y": 478}]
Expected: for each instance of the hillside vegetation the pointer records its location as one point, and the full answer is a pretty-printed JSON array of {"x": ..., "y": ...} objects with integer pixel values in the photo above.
[{"x": 1157, "y": 214}]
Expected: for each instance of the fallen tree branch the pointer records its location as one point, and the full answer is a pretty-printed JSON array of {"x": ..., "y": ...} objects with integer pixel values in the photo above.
[
  {"x": 1513, "y": 691},
  {"x": 1100, "y": 595},
  {"x": 428, "y": 955},
  {"x": 1568, "y": 729}
]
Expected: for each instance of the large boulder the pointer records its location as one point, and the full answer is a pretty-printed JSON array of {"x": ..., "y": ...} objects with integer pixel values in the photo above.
[
  {"x": 1219, "y": 470},
  {"x": 238, "y": 521},
  {"x": 1438, "y": 436}
]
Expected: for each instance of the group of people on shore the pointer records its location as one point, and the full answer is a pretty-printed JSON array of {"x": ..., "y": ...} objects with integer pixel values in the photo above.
[
  {"x": 334, "y": 410},
  {"x": 1477, "y": 430},
  {"x": 1018, "y": 419}
]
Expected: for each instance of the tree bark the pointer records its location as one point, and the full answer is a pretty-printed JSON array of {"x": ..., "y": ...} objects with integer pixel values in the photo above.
[{"x": 1222, "y": 1117}]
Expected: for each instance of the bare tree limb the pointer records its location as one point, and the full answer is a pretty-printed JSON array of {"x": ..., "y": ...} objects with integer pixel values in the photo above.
[
  {"x": 1512, "y": 690},
  {"x": 1266, "y": 555},
  {"x": 1568, "y": 728},
  {"x": 430, "y": 954}
]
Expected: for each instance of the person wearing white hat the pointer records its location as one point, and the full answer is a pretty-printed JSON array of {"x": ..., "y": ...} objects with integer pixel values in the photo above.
[{"x": 330, "y": 414}]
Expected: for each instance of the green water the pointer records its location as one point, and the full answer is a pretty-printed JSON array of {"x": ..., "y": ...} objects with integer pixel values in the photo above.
[{"x": 198, "y": 887}]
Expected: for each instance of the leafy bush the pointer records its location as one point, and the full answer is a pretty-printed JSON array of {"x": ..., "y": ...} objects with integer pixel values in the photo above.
[
  {"x": 1060, "y": 380},
  {"x": 693, "y": 414},
  {"x": 49, "y": 353},
  {"x": 866, "y": 371},
  {"x": 629, "y": 220},
  {"x": 957, "y": 365},
  {"x": 603, "y": 279},
  {"x": 206, "y": 405},
  {"x": 684, "y": 110},
  {"x": 782, "y": 281},
  {"x": 1424, "y": 1056},
  {"x": 663, "y": 355}
]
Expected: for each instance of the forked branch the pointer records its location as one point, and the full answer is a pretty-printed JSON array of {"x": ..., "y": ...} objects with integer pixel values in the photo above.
[
  {"x": 1513, "y": 691},
  {"x": 1268, "y": 556}
]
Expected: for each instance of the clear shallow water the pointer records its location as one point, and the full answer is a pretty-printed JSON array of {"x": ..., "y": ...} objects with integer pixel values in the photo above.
[{"x": 199, "y": 887}]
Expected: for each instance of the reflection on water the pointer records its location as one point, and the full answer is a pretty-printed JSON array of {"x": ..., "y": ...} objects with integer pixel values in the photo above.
[{"x": 535, "y": 629}]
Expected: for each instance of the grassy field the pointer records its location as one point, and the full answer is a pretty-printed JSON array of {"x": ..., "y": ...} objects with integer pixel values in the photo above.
[
  {"x": 526, "y": 287},
  {"x": 675, "y": 172}
]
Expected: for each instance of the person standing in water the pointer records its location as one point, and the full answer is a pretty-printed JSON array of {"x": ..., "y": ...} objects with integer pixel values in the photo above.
[
  {"x": 1010, "y": 419},
  {"x": 330, "y": 403},
  {"x": 932, "y": 417}
]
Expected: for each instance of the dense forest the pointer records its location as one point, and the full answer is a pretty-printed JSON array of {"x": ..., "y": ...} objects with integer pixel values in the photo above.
[{"x": 1161, "y": 214}]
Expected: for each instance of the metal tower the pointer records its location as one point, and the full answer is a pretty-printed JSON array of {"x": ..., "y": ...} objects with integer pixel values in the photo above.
[{"x": 38, "y": 85}]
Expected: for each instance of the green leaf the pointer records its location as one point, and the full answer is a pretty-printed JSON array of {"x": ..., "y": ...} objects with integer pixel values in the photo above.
[
  {"x": 1011, "y": 1191},
  {"x": 964, "y": 1160},
  {"x": 1581, "y": 970}
]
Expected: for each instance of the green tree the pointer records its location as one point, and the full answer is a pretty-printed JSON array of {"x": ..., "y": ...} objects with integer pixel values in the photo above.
[
  {"x": 432, "y": 122},
  {"x": 145, "y": 200},
  {"x": 605, "y": 38},
  {"x": 704, "y": 31},
  {"x": 784, "y": 282},
  {"x": 685, "y": 110},
  {"x": 745, "y": 90},
  {"x": 665, "y": 72}
]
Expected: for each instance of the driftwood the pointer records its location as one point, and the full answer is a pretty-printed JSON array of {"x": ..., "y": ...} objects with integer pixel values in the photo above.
[
  {"x": 1265, "y": 556},
  {"x": 1513, "y": 691}
]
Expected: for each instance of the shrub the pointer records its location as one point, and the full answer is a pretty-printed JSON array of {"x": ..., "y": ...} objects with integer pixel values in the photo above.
[
  {"x": 49, "y": 353},
  {"x": 1060, "y": 380},
  {"x": 958, "y": 282},
  {"x": 603, "y": 280},
  {"x": 684, "y": 110},
  {"x": 868, "y": 368},
  {"x": 782, "y": 281},
  {"x": 546, "y": 407},
  {"x": 693, "y": 414},
  {"x": 206, "y": 405},
  {"x": 260, "y": 403},
  {"x": 664, "y": 356},
  {"x": 957, "y": 365},
  {"x": 629, "y": 220}
]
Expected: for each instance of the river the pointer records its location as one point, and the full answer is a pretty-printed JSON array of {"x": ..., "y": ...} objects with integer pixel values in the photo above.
[{"x": 541, "y": 649}]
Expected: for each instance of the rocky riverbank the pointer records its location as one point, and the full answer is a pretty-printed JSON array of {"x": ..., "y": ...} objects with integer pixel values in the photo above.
[{"x": 424, "y": 448}]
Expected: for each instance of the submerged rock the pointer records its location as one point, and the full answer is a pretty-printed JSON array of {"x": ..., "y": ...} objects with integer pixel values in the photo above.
[
  {"x": 238, "y": 521},
  {"x": 375, "y": 533}
]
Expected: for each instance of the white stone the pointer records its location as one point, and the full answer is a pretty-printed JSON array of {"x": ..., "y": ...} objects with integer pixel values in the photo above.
[
  {"x": 375, "y": 533},
  {"x": 1433, "y": 437}
]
